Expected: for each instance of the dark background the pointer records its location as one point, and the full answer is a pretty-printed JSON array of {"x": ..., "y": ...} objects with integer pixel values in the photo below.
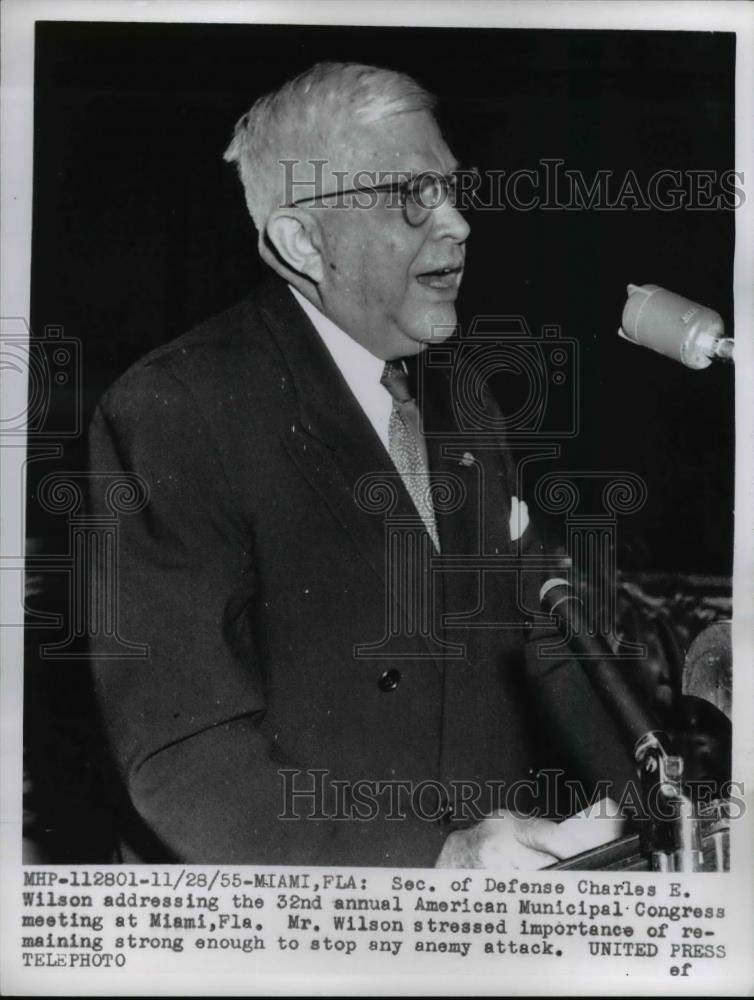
[{"x": 140, "y": 231}]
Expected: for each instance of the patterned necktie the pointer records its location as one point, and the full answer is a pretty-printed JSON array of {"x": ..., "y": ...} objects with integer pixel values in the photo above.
[{"x": 406, "y": 445}]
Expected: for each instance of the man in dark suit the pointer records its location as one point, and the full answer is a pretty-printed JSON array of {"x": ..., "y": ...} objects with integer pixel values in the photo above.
[{"x": 282, "y": 716}]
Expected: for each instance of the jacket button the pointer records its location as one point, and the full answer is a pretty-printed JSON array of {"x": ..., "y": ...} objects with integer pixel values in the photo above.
[{"x": 389, "y": 681}]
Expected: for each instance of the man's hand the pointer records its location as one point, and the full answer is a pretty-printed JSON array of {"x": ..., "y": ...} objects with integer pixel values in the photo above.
[{"x": 505, "y": 840}]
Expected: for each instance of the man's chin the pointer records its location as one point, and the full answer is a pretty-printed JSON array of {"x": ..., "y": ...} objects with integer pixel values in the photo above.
[
  {"x": 412, "y": 336},
  {"x": 422, "y": 340},
  {"x": 437, "y": 327}
]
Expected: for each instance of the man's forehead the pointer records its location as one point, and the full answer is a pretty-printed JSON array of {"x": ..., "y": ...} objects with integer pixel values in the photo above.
[{"x": 409, "y": 142}]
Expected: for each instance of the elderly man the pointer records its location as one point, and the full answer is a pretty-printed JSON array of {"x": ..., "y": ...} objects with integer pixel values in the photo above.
[{"x": 280, "y": 717}]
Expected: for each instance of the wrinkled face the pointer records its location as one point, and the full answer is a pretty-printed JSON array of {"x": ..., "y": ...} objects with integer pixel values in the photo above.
[{"x": 385, "y": 282}]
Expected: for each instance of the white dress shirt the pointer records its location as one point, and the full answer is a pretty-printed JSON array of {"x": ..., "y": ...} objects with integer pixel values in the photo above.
[
  {"x": 358, "y": 366},
  {"x": 362, "y": 372}
]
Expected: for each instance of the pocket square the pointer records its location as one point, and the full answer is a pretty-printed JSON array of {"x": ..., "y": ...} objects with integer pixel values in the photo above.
[{"x": 519, "y": 518}]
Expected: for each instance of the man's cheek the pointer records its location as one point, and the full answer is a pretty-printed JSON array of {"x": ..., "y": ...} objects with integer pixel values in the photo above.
[{"x": 384, "y": 282}]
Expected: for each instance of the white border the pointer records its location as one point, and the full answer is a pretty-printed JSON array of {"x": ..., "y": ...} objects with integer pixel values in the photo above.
[{"x": 16, "y": 142}]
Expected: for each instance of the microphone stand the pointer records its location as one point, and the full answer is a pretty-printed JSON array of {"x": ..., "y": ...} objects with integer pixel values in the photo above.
[
  {"x": 674, "y": 840},
  {"x": 674, "y": 836}
]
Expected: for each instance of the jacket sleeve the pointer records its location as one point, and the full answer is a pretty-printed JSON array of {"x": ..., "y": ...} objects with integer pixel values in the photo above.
[{"x": 185, "y": 723}]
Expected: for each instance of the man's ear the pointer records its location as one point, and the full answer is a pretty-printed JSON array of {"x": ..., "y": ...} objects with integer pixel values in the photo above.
[{"x": 296, "y": 239}]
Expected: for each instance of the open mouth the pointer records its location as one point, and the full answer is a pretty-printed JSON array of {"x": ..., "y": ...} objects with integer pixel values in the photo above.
[{"x": 441, "y": 277}]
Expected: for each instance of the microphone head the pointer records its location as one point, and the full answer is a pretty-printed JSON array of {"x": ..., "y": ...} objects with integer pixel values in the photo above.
[{"x": 671, "y": 325}]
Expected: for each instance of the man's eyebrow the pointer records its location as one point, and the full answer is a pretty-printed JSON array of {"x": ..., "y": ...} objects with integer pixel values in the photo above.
[{"x": 412, "y": 171}]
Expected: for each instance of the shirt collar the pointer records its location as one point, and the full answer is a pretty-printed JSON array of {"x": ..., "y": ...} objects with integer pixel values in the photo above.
[{"x": 358, "y": 366}]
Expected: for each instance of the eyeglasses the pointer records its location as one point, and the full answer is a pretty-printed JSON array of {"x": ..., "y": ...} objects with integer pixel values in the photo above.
[{"x": 417, "y": 196}]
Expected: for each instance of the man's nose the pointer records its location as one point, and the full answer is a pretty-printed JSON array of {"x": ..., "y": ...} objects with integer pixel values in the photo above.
[{"x": 448, "y": 223}]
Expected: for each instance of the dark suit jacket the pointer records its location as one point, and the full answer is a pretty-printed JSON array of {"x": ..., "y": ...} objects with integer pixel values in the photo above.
[{"x": 252, "y": 574}]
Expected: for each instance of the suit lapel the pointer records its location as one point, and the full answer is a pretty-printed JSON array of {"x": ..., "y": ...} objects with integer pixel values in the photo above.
[
  {"x": 453, "y": 460},
  {"x": 478, "y": 525},
  {"x": 333, "y": 443}
]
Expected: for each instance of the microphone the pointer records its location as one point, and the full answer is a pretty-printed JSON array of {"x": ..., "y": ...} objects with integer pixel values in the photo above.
[
  {"x": 674, "y": 326},
  {"x": 708, "y": 670},
  {"x": 606, "y": 674}
]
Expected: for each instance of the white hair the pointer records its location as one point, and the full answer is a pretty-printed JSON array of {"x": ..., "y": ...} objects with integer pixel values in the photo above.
[{"x": 298, "y": 122}]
